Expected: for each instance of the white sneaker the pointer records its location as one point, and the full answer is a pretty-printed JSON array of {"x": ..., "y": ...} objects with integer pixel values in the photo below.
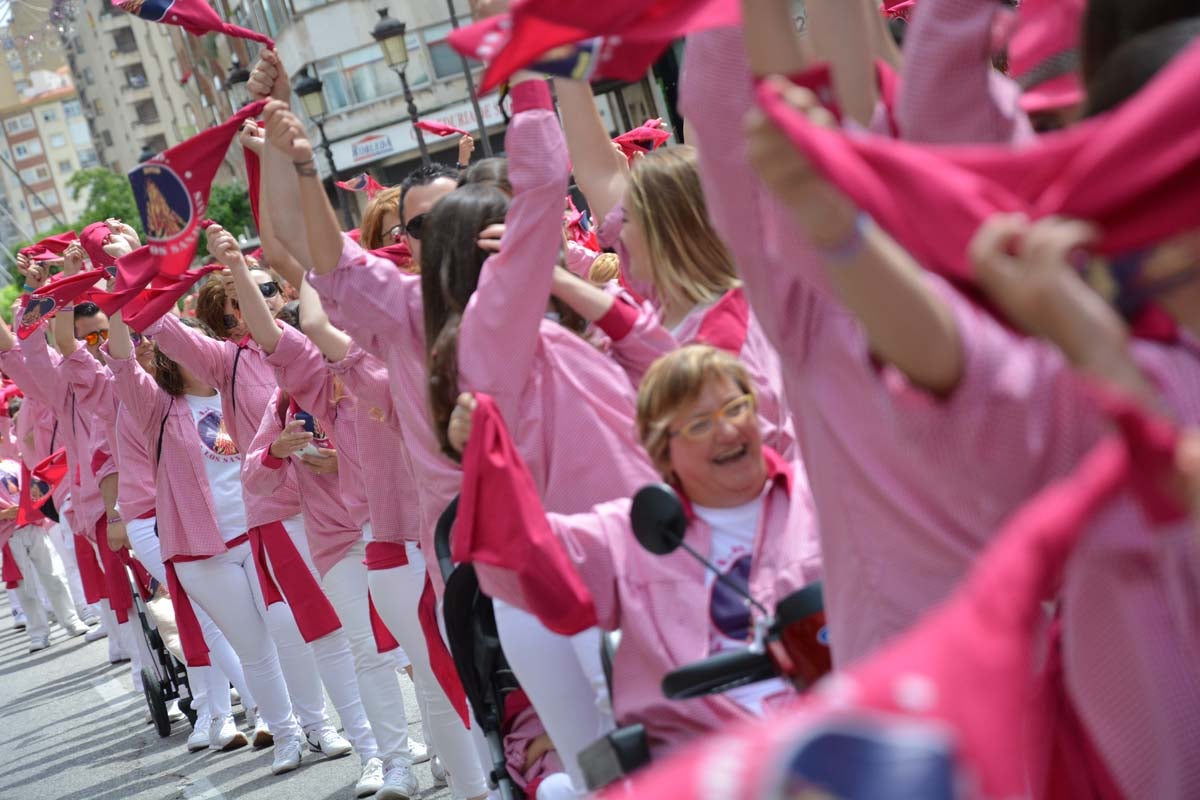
[
  {"x": 399, "y": 784},
  {"x": 116, "y": 654},
  {"x": 438, "y": 770},
  {"x": 235, "y": 698},
  {"x": 95, "y": 634},
  {"x": 198, "y": 739},
  {"x": 78, "y": 630},
  {"x": 371, "y": 780},
  {"x": 173, "y": 712},
  {"x": 287, "y": 755},
  {"x": 89, "y": 617},
  {"x": 328, "y": 742},
  {"x": 223, "y": 735},
  {"x": 418, "y": 752},
  {"x": 39, "y": 643},
  {"x": 261, "y": 736},
  {"x": 19, "y": 620}
]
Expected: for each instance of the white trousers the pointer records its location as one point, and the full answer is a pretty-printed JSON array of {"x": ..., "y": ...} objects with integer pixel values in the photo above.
[
  {"x": 345, "y": 585},
  {"x": 210, "y": 685},
  {"x": 39, "y": 563},
  {"x": 327, "y": 660},
  {"x": 226, "y": 586},
  {"x": 396, "y": 593},
  {"x": 564, "y": 679},
  {"x": 63, "y": 540}
]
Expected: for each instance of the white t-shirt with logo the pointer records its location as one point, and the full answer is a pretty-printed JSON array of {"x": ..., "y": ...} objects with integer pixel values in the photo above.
[
  {"x": 222, "y": 462},
  {"x": 730, "y": 625}
]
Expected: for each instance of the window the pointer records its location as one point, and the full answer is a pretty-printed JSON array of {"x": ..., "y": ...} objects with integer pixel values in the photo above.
[
  {"x": 147, "y": 112},
  {"x": 58, "y": 140},
  {"x": 135, "y": 77},
  {"x": 19, "y": 124},
  {"x": 106, "y": 135},
  {"x": 446, "y": 63},
  {"x": 362, "y": 75},
  {"x": 22, "y": 86},
  {"x": 49, "y": 114},
  {"x": 49, "y": 197},
  {"x": 28, "y": 149},
  {"x": 89, "y": 77},
  {"x": 14, "y": 61},
  {"x": 64, "y": 166},
  {"x": 157, "y": 143},
  {"x": 88, "y": 158},
  {"x": 125, "y": 41},
  {"x": 30, "y": 175},
  {"x": 71, "y": 108}
]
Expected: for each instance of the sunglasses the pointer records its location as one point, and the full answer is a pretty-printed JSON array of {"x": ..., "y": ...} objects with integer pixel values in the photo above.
[
  {"x": 735, "y": 412},
  {"x": 413, "y": 226},
  {"x": 136, "y": 338},
  {"x": 94, "y": 338},
  {"x": 269, "y": 289},
  {"x": 396, "y": 233}
]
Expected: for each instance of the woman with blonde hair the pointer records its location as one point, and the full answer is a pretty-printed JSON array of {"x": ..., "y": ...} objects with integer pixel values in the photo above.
[{"x": 655, "y": 216}]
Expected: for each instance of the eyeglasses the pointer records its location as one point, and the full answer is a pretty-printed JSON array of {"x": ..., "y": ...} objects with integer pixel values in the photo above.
[
  {"x": 269, "y": 289},
  {"x": 735, "y": 412},
  {"x": 396, "y": 233},
  {"x": 413, "y": 226},
  {"x": 136, "y": 338},
  {"x": 94, "y": 338}
]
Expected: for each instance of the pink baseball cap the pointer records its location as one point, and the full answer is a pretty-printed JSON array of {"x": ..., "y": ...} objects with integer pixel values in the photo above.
[{"x": 1043, "y": 56}]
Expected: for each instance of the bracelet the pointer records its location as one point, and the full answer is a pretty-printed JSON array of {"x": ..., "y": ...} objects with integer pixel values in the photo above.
[
  {"x": 114, "y": 520},
  {"x": 852, "y": 245},
  {"x": 460, "y": 166},
  {"x": 29, "y": 288},
  {"x": 306, "y": 169}
]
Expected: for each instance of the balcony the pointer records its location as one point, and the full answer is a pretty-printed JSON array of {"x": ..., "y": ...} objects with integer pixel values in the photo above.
[
  {"x": 129, "y": 59},
  {"x": 114, "y": 20},
  {"x": 136, "y": 94},
  {"x": 151, "y": 127}
]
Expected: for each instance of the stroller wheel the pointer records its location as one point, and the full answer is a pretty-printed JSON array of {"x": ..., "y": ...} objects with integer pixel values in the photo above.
[{"x": 156, "y": 699}]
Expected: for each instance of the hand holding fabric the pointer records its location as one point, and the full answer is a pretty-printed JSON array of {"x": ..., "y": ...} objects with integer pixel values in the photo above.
[
  {"x": 223, "y": 247},
  {"x": 459, "y": 430},
  {"x": 73, "y": 259},
  {"x": 269, "y": 79},
  {"x": 286, "y": 133},
  {"x": 252, "y": 137},
  {"x": 292, "y": 439}
]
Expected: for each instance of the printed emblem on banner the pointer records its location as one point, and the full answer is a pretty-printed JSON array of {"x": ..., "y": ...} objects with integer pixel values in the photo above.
[
  {"x": 11, "y": 484},
  {"x": 38, "y": 309},
  {"x": 163, "y": 201},
  {"x": 153, "y": 10},
  {"x": 38, "y": 489}
]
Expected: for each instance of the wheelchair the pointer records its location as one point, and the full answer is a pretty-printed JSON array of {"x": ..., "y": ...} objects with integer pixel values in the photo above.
[{"x": 165, "y": 678}]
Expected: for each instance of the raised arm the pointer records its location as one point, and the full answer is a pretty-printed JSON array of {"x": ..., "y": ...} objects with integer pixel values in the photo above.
[
  {"x": 41, "y": 371},
  {"x": 210, "y": 359},
  {"x": 499, "y": 333},
  {"x": 302, "y": 371},
  {"x": 843, "y": 35},
  {"x": 949, "y": 91},
  {"x": 257, "y": 315},
  {"x": 278, "y": 254},
  {"x": 314, "y": 322},
  {"x": 140, "y": 396},
  {"x": 599, "y": 169},
  {"x": 278, "y": 188}
]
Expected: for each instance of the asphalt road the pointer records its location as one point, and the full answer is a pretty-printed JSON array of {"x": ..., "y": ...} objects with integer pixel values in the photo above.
[{"x": 72, "y": 729}]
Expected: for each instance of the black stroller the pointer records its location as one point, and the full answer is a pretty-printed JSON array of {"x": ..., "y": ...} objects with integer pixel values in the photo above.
[
  {"x": 475, "y": 645},
  {"x": 164, "y": 679}
]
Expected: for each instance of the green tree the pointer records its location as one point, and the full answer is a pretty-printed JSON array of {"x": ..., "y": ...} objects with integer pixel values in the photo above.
[
  {"x": 8, "y": 296},
  {"x": 107, "y": 195},
  {"x": 229, "y": 207}
]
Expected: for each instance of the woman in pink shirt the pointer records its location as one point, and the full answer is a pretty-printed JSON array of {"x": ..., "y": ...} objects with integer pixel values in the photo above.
[
  {"x": 202, "y": 523},
  {"x": 749, "y": 512},
  {"x": 325, "y": 461}
]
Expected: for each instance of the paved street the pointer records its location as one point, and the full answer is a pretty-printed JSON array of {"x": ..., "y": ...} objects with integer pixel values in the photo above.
[{"x": 71, "y": 729}]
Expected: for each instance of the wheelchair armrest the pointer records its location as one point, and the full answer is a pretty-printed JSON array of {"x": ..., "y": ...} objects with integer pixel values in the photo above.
[
  {"x": 614, "y": 756},
  {"x": 717, "y": 674}
]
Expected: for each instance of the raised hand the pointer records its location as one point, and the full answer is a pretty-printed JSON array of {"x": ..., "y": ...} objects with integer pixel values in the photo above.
[
  {"x": 73, "y": 259},
  {"x": 286, "y": 133},
  {"x": 269, "y": 79},
  {"x": 126, "y": 232},
  {"x": 459, "y": 430},
  {"x": 223, "y": 246},
  {"x": 34, "y": 272},
  {"x": 252, "y": 137},
  {"x": 466, "y": 146}
]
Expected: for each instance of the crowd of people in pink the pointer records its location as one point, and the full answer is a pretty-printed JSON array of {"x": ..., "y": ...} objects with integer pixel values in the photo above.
[{"x": 850, "y": 453}]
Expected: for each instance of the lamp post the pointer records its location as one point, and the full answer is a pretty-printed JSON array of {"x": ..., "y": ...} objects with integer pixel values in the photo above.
[
  {"x": 308, "y": 88},
  {"x": 236, "y": 80},
  {"x": 484, "y": 141},
  {"x": 390, "y": 33}
]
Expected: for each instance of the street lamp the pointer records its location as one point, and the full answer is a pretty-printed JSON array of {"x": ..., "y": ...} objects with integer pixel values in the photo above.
[
  {"x": 390, "y": 34},
  {"x": 309, "y": 90},
  {"x": 236, "y": 80},
  {"x": 466, "y": 68}
]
